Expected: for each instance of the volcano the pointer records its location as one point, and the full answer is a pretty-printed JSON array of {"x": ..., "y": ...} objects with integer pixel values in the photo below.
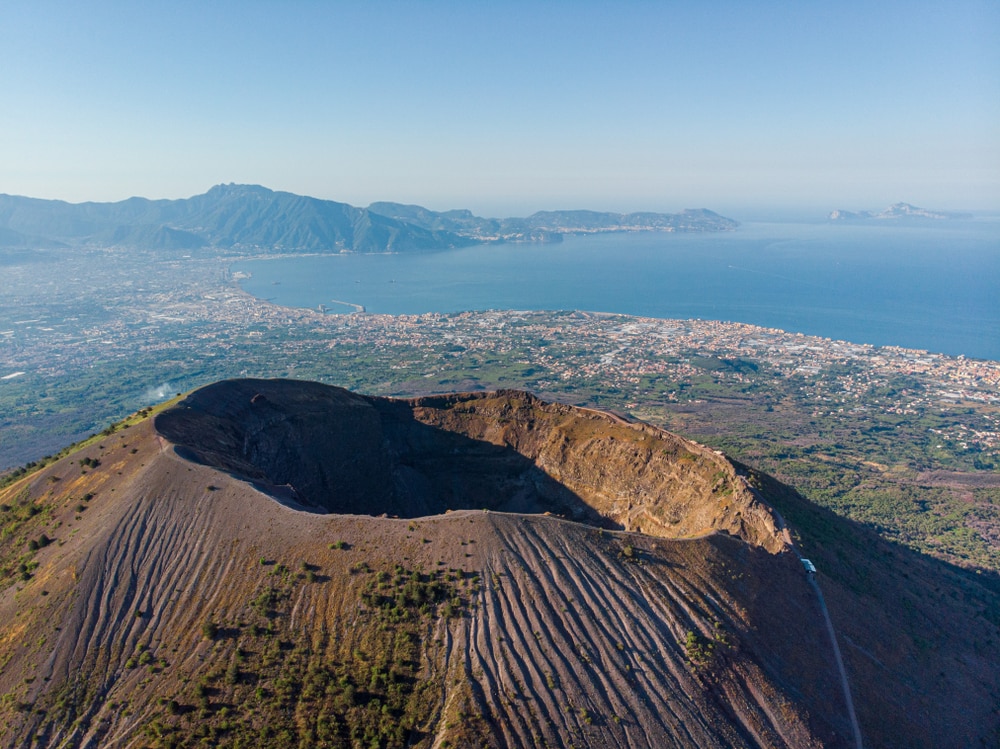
[{"x": 285, "y": 563}]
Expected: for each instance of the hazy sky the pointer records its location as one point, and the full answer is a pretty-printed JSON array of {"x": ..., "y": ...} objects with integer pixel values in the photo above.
[{"x": 507, "y": 107}]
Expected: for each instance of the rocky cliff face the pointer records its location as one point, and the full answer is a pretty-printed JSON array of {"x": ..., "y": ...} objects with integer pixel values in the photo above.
[{"x": 333, "y": 451}]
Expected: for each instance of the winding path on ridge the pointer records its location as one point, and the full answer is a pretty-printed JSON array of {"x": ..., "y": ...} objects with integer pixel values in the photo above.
[
  {"x": 840, "y": 662},
  {"x": 845, "y": 685}
]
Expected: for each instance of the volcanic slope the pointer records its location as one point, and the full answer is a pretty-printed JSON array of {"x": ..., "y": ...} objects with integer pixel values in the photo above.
[{"x": 230, "y": 572}]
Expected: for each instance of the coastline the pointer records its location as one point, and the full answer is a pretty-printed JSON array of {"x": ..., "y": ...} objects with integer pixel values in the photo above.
[{"x": 773, "y": 277}]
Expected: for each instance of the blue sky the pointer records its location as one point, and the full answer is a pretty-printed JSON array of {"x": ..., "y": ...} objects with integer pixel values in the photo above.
[{"x": 507, "y": 107}]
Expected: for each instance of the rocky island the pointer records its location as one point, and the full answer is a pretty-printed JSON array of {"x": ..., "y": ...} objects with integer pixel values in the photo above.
[{"x": 896, "y": 212}]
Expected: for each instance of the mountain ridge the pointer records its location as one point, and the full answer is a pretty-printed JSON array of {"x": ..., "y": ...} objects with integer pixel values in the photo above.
[
  {"x": 245, "y": 218},
  {"x": 551, "y": 226}
]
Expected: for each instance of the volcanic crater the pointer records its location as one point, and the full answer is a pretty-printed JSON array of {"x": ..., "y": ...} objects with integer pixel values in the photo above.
[{"x": 327, "y": 450}]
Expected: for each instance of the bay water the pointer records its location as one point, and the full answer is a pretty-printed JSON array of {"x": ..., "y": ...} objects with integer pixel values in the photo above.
[{"x": 933, "y": 285}]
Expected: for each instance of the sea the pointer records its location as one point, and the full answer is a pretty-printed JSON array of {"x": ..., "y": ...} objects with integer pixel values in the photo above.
[{"x": 932, "y": 285}]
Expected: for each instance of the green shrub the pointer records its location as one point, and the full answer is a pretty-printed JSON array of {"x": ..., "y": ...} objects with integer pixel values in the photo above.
[{"x": 210, "y": 630}]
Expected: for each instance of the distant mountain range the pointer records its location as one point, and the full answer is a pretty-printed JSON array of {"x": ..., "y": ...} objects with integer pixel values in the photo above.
[
  {"x": 252, "y": 218},
  {"x": 895, "y": 212},
  {"x": 548, "y": 226}
]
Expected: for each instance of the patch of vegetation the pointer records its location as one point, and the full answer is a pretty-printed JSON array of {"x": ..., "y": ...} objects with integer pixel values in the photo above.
[
  {"x": 21, "y": 521},
  {"x": 88, "y": 462},
  {"x": 629, "y": 553},
  {"x": 274, "y": 685},
  {"x": 698, "y": 649},
  {"x": 409, "y": 595}
]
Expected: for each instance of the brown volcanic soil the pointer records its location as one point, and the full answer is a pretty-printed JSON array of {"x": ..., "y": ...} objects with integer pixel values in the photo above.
[{"x": 548, "y": 631}]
